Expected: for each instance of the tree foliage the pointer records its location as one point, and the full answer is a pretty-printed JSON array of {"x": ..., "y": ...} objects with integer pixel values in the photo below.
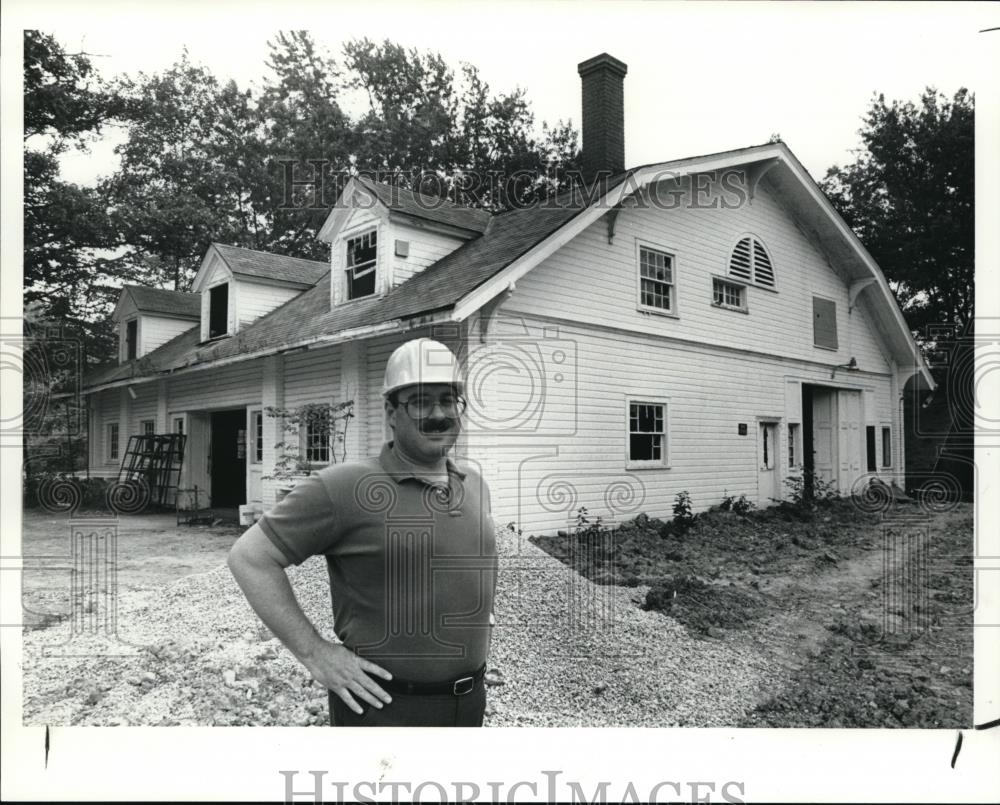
[{"x": 909, "y": 196}]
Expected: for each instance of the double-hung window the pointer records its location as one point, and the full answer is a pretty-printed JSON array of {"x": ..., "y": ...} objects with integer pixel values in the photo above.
[
  {"x": 317, "y": 442},
  {"x": 647, "y": 433},
  {"x": 730, "y": 295},
  {"x": 361, "y": 262},
  {"x": 112, "y": 441},
  {"x": 657, "y": 290}
]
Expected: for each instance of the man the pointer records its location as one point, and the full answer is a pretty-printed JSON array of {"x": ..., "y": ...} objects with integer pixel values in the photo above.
[{"x": 411, "y": 555}]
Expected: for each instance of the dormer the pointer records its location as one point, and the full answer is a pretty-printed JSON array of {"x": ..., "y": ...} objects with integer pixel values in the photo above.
[
  {"x": 147, "y": 318},
  {"x": 381, "y": 235},
  {"x": 237, "y": 286}
]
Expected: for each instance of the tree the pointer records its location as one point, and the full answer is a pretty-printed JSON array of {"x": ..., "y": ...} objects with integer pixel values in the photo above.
[
  {"x": 909, "y": 196},
  {"x": 65, "y": 225}
]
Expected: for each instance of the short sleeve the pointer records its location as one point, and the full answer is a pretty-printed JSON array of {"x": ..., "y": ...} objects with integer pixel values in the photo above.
[{"x": 304, "y": 523}]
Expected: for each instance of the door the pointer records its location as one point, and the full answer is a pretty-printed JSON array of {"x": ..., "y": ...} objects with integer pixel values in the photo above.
[
  {"x": 824, "y": 429},
  {"x": 851, "y": 439},
  {"x": 768, "y": 476},
  {"x": 255, "y": 454},
  {"x": 196, "y": 456},
  {"x": 229, "y": 457}
]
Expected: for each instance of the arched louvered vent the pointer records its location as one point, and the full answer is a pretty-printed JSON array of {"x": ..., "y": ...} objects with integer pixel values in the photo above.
[
  {"x": 750, "y": 262},
  {"x": 741, "y": 263}
]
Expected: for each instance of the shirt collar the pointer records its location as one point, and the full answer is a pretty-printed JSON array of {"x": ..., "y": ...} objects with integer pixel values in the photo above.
[{"x": 399, "y": 471}]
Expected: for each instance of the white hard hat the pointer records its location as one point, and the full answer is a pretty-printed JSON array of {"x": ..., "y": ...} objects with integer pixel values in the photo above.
[{"x": 422, "y": 360}]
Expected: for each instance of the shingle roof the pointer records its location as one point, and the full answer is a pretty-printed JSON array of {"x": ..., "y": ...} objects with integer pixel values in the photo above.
[
  {"x": 160, "y": 300},
  {"x": 508, "y": 236},
  {"x": 250, "y": 263},
  {"x": 430, "y": 208}
]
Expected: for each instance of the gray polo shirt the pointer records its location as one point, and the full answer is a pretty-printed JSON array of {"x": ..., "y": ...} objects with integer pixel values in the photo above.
[{"x": 412, "y": 564}]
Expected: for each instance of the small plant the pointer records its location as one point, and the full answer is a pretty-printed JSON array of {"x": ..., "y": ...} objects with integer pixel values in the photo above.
[
  {"x": 807, "y": 489},
  {"x": 683, "y": 518},
  {"x": 513, "y": 528},
  {"x": 743, "y": 505},
  {"x": 727, "y": 501},
  {"x": 329, "y": 420}
]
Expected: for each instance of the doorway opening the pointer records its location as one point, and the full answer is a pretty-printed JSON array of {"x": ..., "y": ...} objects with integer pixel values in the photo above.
[{"x": 228, "y": 457}]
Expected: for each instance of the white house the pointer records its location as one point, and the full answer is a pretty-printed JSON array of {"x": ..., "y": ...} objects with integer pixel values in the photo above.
[{"x": 707, "y": 324}]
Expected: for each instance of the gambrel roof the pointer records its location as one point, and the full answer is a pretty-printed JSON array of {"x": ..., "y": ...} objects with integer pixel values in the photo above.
[{"x": 511, "y": 244}]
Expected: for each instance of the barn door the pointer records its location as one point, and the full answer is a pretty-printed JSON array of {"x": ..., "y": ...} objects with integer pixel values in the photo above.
[
  {"x": 851, "y": 439},
  {"x": 824, "y": 434}
]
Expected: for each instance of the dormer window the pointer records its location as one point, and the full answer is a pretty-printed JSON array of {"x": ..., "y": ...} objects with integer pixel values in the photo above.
[
  {"x": 360, "y": 270},
  {"x": 131, "y": 339},
  {"x": 218, "y": 310}
]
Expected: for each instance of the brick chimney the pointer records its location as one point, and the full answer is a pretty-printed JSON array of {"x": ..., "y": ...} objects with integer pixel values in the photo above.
[{"x": 603, "y": 79}]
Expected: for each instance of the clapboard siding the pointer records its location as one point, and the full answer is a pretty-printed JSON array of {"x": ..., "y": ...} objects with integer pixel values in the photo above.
[
  {"x": 231, "y": 386},
  {"x": 105, "y": 408},
  {"x": 591, "y": 280},
  {"x": 312, "y": 377},
  {"x": 155, "y": 331},
  {"x": 425, "y": 248},
  {"x": 256, "y": 299},
  {"x": 573, "y": 453},
  {"x": 143, "y": 407}
]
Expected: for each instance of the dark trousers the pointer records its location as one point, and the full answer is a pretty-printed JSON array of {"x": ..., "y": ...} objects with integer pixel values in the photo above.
[{"x": 408, "y": 710}]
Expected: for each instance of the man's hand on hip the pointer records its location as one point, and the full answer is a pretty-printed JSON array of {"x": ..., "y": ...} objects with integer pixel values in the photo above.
[{"x": 347, "y": 675}]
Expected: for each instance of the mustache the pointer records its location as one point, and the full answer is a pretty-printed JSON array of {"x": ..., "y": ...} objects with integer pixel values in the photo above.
[{"x": 436, "y": 425}]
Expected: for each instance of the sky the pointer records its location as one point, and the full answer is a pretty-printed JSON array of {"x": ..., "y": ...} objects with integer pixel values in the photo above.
[{"x": 702, "y": 77}]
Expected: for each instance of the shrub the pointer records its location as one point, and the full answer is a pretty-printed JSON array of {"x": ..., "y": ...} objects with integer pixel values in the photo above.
[
  {"x": 743, "y": 505},
  {"x": 61, "y": 492}
]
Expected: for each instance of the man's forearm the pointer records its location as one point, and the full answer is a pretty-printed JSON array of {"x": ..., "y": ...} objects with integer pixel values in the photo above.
[{"x": 269, "y": 592}]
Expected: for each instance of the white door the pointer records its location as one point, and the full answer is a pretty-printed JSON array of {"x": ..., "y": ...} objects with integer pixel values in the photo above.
[
  {"x": 196, "y": 454},
  {"x": 851, "y": 441},
  {"x": 255, "y": 453},
  {"x": 824, "y": 429},
  {"x": 768, "y": 457}
]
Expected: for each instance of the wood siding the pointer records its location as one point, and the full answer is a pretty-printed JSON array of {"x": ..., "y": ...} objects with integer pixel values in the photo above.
[
  {"x": 554, "y": 435},
  {"x": 256, "y": 299},
  {"x": 155, "y": 331},
  {"x": 590, "y": 280},
  {"x": 234, "y": 386},
  {"x": 425, "y": 248}
]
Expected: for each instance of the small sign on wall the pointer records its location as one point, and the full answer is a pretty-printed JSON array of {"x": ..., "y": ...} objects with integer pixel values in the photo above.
[{"x": 742, "y": 426}]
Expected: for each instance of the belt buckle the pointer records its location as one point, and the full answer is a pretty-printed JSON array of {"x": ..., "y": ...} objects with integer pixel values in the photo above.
[{"x": 459, "y": 689}]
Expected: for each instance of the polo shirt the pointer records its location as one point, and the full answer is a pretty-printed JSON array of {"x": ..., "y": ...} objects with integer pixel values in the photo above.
[{"x": 412, "y": 562}]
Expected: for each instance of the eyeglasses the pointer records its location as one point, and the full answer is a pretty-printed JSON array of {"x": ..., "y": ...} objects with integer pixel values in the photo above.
[{"x": 421, "y": 406}]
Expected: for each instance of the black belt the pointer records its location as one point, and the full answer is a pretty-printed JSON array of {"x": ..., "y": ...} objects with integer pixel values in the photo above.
[{"x": 457, "y": 687}]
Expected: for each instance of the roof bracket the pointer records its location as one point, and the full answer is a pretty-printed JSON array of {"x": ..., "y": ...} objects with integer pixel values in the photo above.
[
  {"x": 486, "y": 311},
  {"x": 856, "y": 288},
  {"x": 755, "y": 173},
  {"x": 612, "y": 219}
]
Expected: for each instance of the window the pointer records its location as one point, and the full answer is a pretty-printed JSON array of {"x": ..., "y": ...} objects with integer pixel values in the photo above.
[
  {"x": 886, "y": 447},
  {"x": 793, "y": 434},
  {"x": 768, "y": 445},
  {"x": 257, "y": 433},
  {"x": 647, "y": 434},
  {"x": 179, "y": 424},
  {"x": 824, "y": 323},
  {"x": 751, "y": 262},
  {"x": 112, "y": 441},
  {"x": 729, "y": 295},
  {"x": 361, "y": 252},
  {"x": 656, "y": 279},
  {"x": 218, "y": 310},
  {"x": 317, "y": 444},
  {"x": 147, "y": 427},
  {"x": 870, "y": 447},
  {"x": 131, "y": 339}
]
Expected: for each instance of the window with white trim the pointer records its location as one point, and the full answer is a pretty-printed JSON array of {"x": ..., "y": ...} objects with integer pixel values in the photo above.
[
  {"x": 147, "y": 427},
  {"x": 218, "y": 310},
  {"x": 360, "y": 266},
  {"x": 793, "y": 448},
  {"x": 647, "y": 433},
  {"x": 886, "y": 447},
  {"x": 112, "y": 442},
  {"x": 179, "y": 424},
  {"x": 730, "y": 295},
  {"x": 131, "y": 339},
  {"x": 257, "y": 434},
  {"x": 317, "y": 441},
  {"x": 656, "y": 279},
  {"x": 751, "y": 262}
]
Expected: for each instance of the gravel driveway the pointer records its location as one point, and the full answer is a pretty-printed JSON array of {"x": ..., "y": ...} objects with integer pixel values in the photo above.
[{"x": 570, "y": 653}]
